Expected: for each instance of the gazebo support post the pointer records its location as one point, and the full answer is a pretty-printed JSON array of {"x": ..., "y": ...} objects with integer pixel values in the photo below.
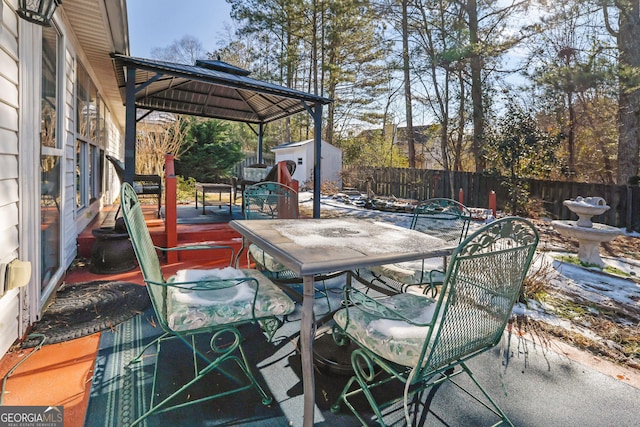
[
  {"x": 317, "y": 140},
  {"x": 260, "y": 135},
  {"x": 130, "y": 127}
]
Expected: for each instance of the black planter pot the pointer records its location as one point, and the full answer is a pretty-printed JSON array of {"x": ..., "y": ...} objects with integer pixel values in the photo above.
[{"x": 112, "y": 251}]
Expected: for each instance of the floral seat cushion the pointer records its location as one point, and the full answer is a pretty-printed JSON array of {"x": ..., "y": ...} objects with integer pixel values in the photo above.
[
  {"x": 193, "y": 309},
  {"x": 412, "y": 272},
  {"x": 394, "y": 340}
]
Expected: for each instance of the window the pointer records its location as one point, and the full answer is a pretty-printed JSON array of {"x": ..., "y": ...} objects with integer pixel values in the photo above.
[
  {"x": 81, "y": 172},
  {"x": 82, "y": 95},
  {"x": 91, "y": 132},
  {"x": 50, "y": 159},
  {"x": 49, "y": 87}
]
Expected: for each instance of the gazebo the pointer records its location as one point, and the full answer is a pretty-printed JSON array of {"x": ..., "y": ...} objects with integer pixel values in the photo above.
[{"x": 213, "y": 89}]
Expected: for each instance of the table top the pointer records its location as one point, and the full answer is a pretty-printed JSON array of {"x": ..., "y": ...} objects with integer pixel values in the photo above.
[
  {"x": 316, "y": 246},
  {"x": 202, "y": 185}
]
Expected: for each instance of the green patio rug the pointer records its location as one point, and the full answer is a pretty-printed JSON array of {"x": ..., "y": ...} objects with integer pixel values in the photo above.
[{"x": 120, "y": 390}]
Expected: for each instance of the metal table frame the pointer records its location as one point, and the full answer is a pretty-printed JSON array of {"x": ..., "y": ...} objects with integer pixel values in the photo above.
[{"x": 348, "y": 244}]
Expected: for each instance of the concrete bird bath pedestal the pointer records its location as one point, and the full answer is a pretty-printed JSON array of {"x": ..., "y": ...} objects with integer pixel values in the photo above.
[{"x": 588, "y": 234}]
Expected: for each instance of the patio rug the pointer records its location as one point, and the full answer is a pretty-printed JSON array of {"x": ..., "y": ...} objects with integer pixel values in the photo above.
[
  {"x": 121, "y": 390},
  {"x": 85, "y": 308},
  {"x": 189, "y": 214}
]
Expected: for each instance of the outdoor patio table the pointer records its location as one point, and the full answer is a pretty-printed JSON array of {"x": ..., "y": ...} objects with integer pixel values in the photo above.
[
  {"x": 214, "y": 188},
  {"x": 317, "y": 246}
]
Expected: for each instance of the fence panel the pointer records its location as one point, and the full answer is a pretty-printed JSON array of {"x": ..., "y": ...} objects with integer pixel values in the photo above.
[{"x": 421, "y": 184}]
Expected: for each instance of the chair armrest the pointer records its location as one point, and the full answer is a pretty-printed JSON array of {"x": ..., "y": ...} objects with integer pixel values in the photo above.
[
  {"x": 355, "y": 298},
  {"x": 199, "y": 247},
  {"x": 212, "y": 284}
]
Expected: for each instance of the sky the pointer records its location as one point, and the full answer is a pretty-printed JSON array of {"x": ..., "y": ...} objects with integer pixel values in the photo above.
[{"x": 158, "y": 23}]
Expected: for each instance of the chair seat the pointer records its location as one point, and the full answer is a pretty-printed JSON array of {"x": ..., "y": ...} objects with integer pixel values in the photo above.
[
  {"x": 396, "y": 340},
  {"x": 265, "y": 260},
  {"x": 412, "y": 272},
  {"x": 194, "y": 309}
]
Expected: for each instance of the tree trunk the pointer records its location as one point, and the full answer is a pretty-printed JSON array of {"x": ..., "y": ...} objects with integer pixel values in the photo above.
[
  {"x": 407, "y": 86},
  {"x": 476, "y": 86},
  {"x": 629, "y": 103}
]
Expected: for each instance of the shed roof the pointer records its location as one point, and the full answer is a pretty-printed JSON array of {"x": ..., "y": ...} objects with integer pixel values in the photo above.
[
  {"x": 210, "y": 88},
  {"x": 300, "y": 144}
]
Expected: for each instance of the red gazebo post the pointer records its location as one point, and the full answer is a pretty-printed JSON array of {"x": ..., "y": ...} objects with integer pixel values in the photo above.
[{"x": 170, "y": 208}]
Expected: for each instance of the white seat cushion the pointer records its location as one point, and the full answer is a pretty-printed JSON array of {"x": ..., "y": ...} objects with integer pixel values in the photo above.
[
  {"x": 411, "y": 272},
  {"x": 266, "y": 260},
  {"x": 394, "y": 340},
  {"x": 193, "y": 309}
]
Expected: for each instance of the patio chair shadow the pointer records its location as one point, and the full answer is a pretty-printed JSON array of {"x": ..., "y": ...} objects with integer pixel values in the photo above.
[{"x": 120, "y": 390}]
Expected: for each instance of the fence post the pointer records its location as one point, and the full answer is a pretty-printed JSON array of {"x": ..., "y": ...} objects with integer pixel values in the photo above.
[{"x": 492, "y": 202}]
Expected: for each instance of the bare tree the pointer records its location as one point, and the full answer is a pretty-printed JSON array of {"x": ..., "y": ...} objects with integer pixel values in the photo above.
[
  {"x": 165, "y": 134},
  {"x": 183, "y": 51}
]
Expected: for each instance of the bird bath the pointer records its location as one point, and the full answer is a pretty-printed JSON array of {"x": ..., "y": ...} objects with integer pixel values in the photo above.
[{"x": 588, "y": 234}]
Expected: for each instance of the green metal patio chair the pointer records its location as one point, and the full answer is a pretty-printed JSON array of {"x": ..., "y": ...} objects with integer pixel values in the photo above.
[
  {"x": 444, "y": 218},
  {"x": 271, "y": 200},
  {"x": 195, "y": 302},
  {"x": 423, "y": 342}
]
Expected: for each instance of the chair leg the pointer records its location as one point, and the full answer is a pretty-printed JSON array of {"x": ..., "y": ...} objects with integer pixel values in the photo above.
[{"x": 365, "y": 380}]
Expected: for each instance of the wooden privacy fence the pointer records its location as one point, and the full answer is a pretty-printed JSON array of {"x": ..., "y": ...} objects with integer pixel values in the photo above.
[{"x": 421, "y": 184}]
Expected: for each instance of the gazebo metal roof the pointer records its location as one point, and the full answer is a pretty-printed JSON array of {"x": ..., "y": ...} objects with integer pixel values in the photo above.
[{"x": 212, "y": 89}]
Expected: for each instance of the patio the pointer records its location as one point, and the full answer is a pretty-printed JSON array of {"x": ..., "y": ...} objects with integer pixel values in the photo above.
[{"x": 543, "y": 385}]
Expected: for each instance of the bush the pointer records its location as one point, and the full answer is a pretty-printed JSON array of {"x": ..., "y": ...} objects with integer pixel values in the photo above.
[{"x": 186, "y": 188}]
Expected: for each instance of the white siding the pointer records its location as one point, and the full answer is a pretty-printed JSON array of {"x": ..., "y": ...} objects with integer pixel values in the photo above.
[
  {"x": 9, "y": 194},
  {"x": 114, "y": 143},
  {"x": 68, "y": 195}
]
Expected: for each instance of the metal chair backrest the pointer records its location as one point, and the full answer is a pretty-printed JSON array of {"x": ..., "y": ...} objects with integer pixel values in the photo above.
[
  {"x": 118, "y": 167},
  {"x": 483, "y": 281},
  {"x": 270, "y": 200},
  {"x": 144, "y": 249},
  {"x": 444, "y": 218}
]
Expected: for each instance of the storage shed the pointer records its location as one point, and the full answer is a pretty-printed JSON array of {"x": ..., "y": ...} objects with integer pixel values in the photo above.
[{"x": 302, "y": 154}]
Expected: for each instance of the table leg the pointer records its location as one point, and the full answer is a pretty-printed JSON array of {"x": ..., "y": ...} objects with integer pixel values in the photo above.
[{"x": 306, "y": 350}]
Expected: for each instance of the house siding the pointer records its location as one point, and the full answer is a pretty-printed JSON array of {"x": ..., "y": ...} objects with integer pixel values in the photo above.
[
  {"x": 9, "y": 172},
  {"x": 69, "y": 228},
  {"x": 20, "y": 217}
]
